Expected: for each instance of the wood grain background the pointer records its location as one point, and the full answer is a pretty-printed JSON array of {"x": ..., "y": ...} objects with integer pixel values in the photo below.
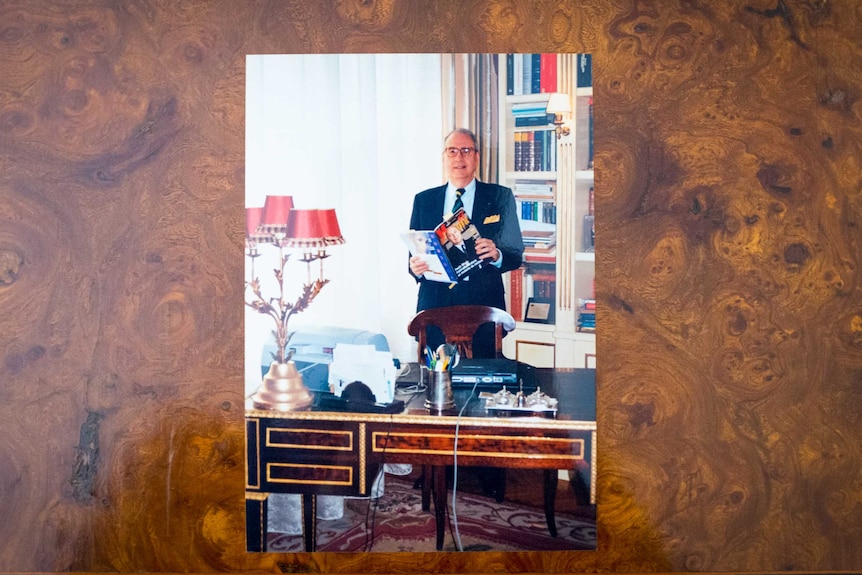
[{"x": 728, "y": 192}]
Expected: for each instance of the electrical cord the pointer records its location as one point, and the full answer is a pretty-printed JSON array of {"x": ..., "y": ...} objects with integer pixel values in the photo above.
[
  {"x": 412, "y": 389},
  {"x": 409, "y": 388},
  {"x": 457, "y": 534},
  {"x": 404, "y": 370},
  {"x": 371, "y": 509},
  {"x": 309, "y": 366}
]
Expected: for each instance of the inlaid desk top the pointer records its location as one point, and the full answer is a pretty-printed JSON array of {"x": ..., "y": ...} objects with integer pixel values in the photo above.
[
  {"x": 575, "y": 390},
  {"x": 339, "y": 453}
]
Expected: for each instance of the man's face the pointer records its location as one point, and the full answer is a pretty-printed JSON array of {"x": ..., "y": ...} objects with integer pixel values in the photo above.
[
  {"x": 454, "y": 235},
  {"x": 461, "y": 167}
]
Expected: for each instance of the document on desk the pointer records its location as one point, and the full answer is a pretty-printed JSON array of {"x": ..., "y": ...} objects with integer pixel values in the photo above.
[{"x": 366, "y": 364}]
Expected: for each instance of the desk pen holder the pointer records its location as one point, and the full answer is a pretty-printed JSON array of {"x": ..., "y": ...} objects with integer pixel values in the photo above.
[{"x": 439, "y": 394}]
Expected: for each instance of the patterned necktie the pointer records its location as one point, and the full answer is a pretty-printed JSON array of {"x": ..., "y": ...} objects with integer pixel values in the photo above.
[{"x": 458, "y": 203}]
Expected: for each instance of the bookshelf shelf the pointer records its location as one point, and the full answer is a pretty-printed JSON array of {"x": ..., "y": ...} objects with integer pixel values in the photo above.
[
  {"x": 552, "y": 179},
  {"x": 531, "y": 176},
  {"x": 529, "y": 98},
  {"x": 538, "y": 327}
]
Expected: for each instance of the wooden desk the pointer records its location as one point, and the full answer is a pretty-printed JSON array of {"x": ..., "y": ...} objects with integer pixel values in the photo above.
[{"x": 337, "y": 453}]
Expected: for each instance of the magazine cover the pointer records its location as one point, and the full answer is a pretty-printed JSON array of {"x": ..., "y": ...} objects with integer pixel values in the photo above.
[
  {"x": 458, "y": 236},
  {"x": 426, "y": 245}
]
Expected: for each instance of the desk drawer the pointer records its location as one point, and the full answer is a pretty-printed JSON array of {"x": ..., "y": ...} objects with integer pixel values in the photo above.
[
  {"x": 505, "y": 448},
  {"x": 295, "y": 456}
]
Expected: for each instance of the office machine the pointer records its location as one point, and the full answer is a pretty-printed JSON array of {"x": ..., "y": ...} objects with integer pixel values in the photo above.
[
  {"x": 313, "y": 349},
  {"x": 487, "y": 373}
]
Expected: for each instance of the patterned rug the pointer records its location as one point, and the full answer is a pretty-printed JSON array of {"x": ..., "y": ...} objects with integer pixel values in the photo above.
[{"x": 399, "y": 524}]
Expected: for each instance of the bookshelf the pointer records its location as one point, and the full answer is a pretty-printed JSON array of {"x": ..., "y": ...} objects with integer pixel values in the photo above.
[{"x": 552, "y": 180}]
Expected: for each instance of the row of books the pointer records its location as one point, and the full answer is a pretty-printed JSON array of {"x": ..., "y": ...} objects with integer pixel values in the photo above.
[
  {"x": 589, "y": 234},
  {"x": 587, "y": 315},
  {"x": 540, "y": 246},
  {"x": 537, "y": 73},
  {"x": 538, "y": 211},
  {"x": 539, "y": 238},
  {"x": 523, "y": 285},
  {"x": 540, "y": 255},
  {"x": 589, "y": 229},
  {"x": 528, "y": 114},
  {"x": 535, "y": 151},
  {"x": 544, "y": 289},
  {"x": 534, "y": 189},
  {"x": 531, "y": 74}
]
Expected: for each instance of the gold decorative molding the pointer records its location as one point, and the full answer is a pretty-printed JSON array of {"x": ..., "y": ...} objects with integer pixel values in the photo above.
[
  {"x": 308, "y": 481},
  {"x": 419, "y": 417},
  {"x": 348, "y": 435},
  {"x": 522, "y": 441},
  {"x": 363, "y": 459}
]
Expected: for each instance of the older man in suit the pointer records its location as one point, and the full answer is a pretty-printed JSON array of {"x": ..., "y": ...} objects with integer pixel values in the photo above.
[{"x": 492, "y": 210}]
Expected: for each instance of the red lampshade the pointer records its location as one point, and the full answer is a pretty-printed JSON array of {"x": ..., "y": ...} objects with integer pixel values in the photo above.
[
  {"x": 329, "y": 227},
  {"x": 276, "y": 210},
  {"x": 252, "y": 220},
  {"x": 304, "y": 229}
]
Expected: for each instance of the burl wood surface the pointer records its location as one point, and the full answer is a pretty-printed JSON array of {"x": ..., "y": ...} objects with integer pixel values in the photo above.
[{"x": 730, "y": 341}]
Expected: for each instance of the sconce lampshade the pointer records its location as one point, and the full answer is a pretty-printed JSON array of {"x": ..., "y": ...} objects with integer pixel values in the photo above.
[
  {"x": 329, "y": 227},
  {"x": 558, "y": 103},
  {"x": 276, "y": 210}
]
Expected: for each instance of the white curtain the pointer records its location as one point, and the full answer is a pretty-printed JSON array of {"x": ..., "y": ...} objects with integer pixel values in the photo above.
[{"x": 358, "y": 133}]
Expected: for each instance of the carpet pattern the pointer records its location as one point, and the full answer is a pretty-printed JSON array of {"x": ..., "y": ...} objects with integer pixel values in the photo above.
[{"x": 399, "y": 524}]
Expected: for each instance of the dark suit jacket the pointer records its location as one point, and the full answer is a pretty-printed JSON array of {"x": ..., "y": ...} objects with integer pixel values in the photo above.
[{"x": 495, "y": 216}]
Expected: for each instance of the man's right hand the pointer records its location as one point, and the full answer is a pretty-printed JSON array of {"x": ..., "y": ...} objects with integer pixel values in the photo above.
[{"x": 418, "y": 266}]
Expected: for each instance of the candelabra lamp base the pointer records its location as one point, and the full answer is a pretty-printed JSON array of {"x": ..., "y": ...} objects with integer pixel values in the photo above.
[{"x": 282, "y": 389}]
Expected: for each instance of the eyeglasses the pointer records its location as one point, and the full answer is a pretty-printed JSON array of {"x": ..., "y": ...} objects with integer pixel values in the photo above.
[{"x": 453, "y": 152}]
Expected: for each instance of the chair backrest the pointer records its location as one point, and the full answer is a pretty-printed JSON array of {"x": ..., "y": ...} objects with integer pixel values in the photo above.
[{"x": 458, "y": 324}]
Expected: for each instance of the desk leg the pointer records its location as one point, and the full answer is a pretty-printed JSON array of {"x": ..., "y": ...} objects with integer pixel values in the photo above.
[
  {"x": 255, "y": 522},
  {"x": 309, "y": 521},
  {"x": 427, "y": 474},
  {"x": 439, "y": 491},
  {"x": 550, "y": 488}
]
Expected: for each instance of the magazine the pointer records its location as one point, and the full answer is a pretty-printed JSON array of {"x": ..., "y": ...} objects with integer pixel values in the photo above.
[
  {"x": 425, "y": 245},
  {"x": 449, "y": 250}
]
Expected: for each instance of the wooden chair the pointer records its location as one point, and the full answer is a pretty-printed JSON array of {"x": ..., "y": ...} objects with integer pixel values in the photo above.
[{"x": 459, "y": 324}]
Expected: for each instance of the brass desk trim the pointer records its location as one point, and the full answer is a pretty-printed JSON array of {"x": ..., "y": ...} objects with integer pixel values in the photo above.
[
  {"x": 300, "y": 430},
  {"x": 420, "y": 418},
  {"x": 273, "y": 465},
  {"x": 256, "y": 435},
  {"x": 465, "y": 452}
]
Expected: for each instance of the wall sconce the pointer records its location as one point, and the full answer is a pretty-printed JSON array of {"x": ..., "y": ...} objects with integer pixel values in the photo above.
[{"x": 558, "y": 104}]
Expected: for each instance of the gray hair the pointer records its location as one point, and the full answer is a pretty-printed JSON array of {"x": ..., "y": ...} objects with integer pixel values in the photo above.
[{"x": 465, "y": 132}]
